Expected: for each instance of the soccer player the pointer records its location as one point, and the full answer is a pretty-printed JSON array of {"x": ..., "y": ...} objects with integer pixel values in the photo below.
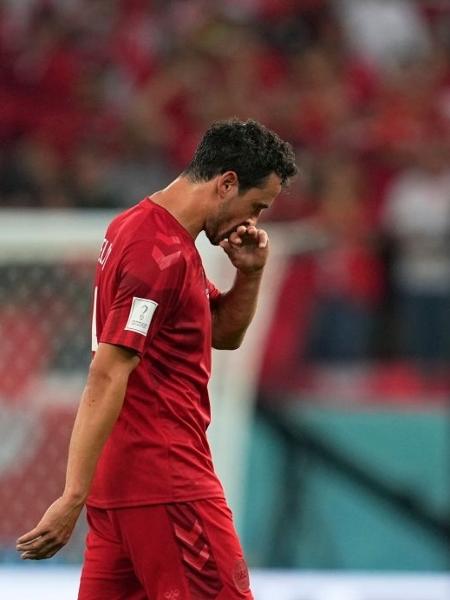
[{"x": 159, "y": 526}]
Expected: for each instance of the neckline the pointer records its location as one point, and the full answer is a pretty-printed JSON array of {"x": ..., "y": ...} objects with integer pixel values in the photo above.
[{"x": 181, "y": 227}]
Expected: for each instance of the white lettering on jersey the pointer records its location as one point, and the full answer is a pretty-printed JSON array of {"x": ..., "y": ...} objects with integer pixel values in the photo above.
[
  {"x": 105, "y": 252},
  {"x": 141, "y": 315},
  {"x": 94, "y": 345}
]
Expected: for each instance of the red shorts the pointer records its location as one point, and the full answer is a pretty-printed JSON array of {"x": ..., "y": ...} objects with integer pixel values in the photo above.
[{"x": 181, "y": 551}]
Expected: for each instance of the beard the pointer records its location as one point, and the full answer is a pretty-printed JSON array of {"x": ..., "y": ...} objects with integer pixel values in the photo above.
[
  {"x": 214, "y": 227},
  {"x": 215, "y": 236},
  {"x": 212, "y": 233}
]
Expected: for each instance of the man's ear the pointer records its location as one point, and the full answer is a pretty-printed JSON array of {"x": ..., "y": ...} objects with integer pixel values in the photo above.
[{"x": 227, "y": 184}]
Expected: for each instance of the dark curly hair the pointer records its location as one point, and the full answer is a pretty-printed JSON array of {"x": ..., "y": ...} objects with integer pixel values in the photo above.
[{"x": 248, "y": 148}]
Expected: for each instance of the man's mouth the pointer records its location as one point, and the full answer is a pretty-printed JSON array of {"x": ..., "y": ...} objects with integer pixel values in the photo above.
[{"x": 227, "y": 234}]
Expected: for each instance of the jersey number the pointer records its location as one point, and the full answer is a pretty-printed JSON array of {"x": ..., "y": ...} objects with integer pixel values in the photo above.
[{"x": 105, "y": 252}]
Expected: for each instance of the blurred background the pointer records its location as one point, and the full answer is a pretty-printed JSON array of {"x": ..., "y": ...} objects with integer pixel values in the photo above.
[{"x": 332, "y": 422}]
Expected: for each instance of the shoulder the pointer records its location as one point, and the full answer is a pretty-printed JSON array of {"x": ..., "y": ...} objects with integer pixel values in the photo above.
[{"x": 149, "y": 238}]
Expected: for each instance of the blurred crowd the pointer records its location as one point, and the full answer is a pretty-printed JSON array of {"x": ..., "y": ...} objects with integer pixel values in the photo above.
[{"x": 103, "y": 101}]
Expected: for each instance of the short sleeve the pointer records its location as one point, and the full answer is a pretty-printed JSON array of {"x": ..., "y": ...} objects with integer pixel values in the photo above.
[
  {"x": 213, "y": 293},
  {"x": 149, "y": 283}
]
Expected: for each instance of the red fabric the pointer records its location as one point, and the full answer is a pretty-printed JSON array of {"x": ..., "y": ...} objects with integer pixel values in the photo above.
[
  {"x": 157, "y": 451},
  {"x": 176, "y": 551}
]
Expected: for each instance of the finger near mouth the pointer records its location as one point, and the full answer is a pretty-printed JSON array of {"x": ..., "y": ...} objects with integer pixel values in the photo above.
[{"x": 227, "y": 234}]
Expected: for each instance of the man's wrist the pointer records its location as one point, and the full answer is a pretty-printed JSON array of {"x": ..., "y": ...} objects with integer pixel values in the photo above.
[
  {"x": 255, "y": 273},
  {"x": 75, "y": 498}
]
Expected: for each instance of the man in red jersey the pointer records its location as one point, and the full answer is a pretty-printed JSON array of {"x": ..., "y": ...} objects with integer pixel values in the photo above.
[{"x": 159, "y": 526}]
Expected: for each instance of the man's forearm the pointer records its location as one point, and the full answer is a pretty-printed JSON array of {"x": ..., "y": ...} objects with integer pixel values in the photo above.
[
  {"x": 235, "y": 311},
  {"x": 99, "y": 408}
]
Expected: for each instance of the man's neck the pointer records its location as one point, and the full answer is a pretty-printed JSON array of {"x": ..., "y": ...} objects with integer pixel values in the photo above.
[{"x": 187, "y": 202}]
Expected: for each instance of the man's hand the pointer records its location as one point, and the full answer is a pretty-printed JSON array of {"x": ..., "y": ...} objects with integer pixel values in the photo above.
[
  {"x": 99, "y": 408},
  {"x": 247, "y": 248},
  {"x": 52, "y": 532}
]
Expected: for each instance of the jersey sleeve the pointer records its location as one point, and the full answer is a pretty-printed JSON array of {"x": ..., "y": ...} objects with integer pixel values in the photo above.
[
  {"x": 213, "y": 293},
  {"x": 147, "y": 289}
]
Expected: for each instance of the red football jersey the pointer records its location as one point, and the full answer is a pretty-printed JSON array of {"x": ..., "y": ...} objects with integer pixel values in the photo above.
[{"x": 152, "y": 295}]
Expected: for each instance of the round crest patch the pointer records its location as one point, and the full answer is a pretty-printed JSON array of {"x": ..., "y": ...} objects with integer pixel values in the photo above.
[{"x": 240, "y": 576}]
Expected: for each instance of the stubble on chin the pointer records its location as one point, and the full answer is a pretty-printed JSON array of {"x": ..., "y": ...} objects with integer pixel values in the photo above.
[{"x": 213, "y": 237}]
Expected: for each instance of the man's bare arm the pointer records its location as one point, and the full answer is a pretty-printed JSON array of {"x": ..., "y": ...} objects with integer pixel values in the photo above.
[
  {"x": 247, "y": 248},
  {"x": 235, "y": 310},
  {"x": 99, "y": 408}
]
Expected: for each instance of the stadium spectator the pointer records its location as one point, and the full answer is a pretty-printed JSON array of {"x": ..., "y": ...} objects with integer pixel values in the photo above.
[
  {"x": 110, "y": 98},
  {"x": 417, "y": 220},
  {"x": 348, "y": 272}
]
